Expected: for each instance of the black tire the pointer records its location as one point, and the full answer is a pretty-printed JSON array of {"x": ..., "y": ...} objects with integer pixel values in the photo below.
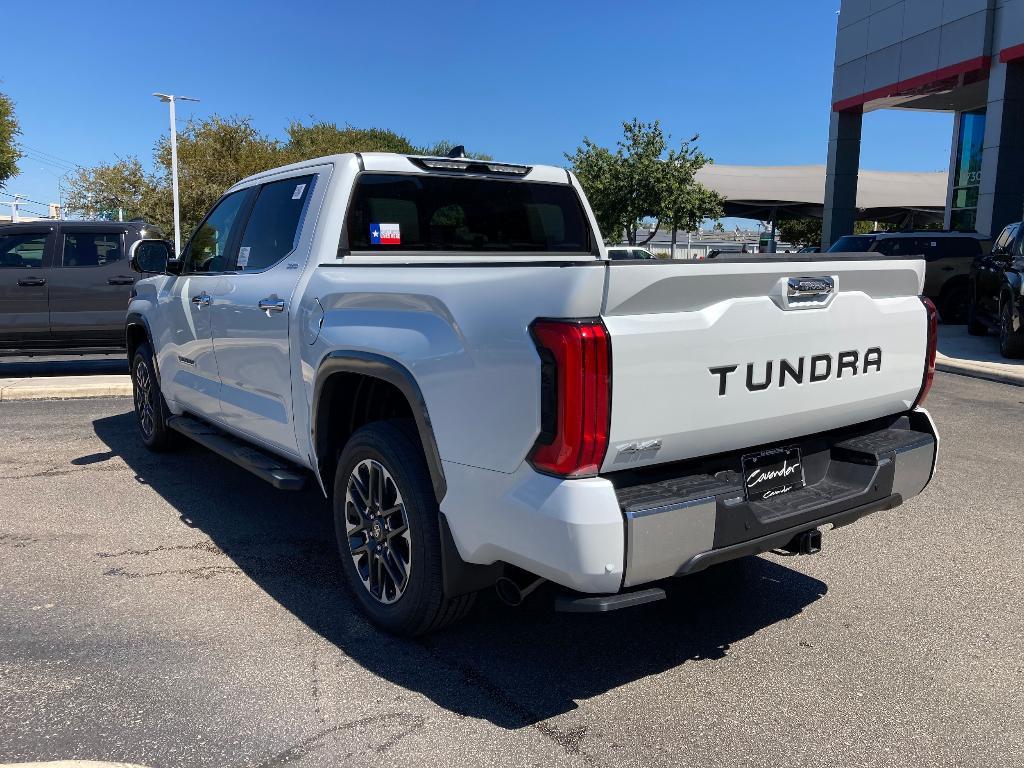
[
  {"x": 975, "y": 327},
  {"x": 151, "y": 412},
  {"x": 1011, "y": 342},
  {"x": 954, "y": 306},
  {"x": 401, "y": 590}
]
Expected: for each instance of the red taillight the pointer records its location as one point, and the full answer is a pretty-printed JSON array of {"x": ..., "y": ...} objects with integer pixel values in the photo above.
[
  {"x": 933, "y": 340},
  {"x": 575, "y": 396}
]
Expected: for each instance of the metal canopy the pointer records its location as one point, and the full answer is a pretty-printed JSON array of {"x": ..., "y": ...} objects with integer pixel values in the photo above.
[{"x": 786, "y": 192}]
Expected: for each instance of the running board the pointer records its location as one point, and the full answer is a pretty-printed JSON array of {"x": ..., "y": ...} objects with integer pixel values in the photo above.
[{"x": 276, "y": 471}]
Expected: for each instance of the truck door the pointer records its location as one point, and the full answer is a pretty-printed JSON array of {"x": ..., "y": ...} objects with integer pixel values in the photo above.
[
  {"x": 24, "y": 308},
  {"x": 188, "y": 364},
  {"x": 89, "y": 286},
  {"x": 251, "y": 323}
]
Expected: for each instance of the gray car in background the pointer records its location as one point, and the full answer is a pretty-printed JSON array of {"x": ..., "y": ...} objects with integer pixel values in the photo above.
[{"x": 66, "y": 284}]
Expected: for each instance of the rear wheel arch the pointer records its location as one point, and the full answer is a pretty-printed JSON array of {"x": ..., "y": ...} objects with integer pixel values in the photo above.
[
  {"x": 137, "y": 333},
  {"x": 354, "y": 388}
]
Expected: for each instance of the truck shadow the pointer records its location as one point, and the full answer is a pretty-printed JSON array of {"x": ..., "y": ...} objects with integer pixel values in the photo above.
[{"x": 515, "y": 668}]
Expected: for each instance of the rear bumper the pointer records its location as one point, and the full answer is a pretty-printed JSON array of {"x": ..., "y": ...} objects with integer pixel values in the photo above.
[
  {"x": 683, "y": 524},
  {"x": 601, "y": 535}
]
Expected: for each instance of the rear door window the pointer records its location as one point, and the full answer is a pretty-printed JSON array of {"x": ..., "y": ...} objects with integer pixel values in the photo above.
[
  {"x": 959, "y": 247},
  {"x": 273, "y": 227},
  {"x": 920, "y": 247},
  {"x": 395, "y": 212},
  {"x": 91, "y": 249}
]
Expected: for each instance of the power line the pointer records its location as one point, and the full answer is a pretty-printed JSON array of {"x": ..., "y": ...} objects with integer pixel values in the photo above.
[
  {"x": 19, "y": 198},
  {"x": 38, "y": 151},
  {"x": 35, "y": 158}
]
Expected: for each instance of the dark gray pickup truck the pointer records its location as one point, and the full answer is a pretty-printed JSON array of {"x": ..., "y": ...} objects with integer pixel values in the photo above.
[{"x": 66, "y": 284}]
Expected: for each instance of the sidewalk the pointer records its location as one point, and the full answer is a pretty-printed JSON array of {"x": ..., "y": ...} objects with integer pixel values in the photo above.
[
  {"x": 65, "y": 387},
  {"x": 976, "y": 356}
]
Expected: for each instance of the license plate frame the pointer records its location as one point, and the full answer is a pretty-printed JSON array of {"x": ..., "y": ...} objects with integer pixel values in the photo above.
[{"x": 774, "y": 473}]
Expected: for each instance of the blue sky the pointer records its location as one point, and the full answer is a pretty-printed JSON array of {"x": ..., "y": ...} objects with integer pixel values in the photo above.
[{"x": 523, "y": 81}]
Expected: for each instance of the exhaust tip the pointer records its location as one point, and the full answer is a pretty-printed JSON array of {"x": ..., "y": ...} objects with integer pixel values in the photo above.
[
  {"x": 511, "y": 594},
  {"x": 508, "y": 592}
]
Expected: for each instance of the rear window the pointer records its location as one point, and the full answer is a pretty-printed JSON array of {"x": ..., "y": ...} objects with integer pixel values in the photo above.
[
  {"x": 930, "y": 248},
  {"x": 393, "y": 212},
  {"x": 852, "y": 244}
]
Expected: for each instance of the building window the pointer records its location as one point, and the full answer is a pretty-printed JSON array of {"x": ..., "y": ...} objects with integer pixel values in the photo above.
[{"x": 967, "y": 171}]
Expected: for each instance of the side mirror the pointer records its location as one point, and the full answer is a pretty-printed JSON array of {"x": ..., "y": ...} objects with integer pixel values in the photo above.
[{"x": 151, "y": 257}]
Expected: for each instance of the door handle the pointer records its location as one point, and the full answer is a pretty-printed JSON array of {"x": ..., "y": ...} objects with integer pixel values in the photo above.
[
  {"x": 202, "y": 300},
  {"x": 271, "y": 305},
  {"x": 121, "y": 280},
  {"x": 31, "y": 282}
]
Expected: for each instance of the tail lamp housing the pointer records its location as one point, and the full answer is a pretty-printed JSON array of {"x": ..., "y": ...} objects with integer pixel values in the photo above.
[
  {"x": 932, "y": 348},
  {"x": 575, "y": 396}
]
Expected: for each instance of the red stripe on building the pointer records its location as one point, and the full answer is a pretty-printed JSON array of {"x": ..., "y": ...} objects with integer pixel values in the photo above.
[
  {"x": 906, "y": 87},
  {"x": 1013, "y": 53}
]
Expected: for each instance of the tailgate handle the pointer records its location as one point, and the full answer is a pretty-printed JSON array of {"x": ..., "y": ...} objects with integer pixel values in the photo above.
[{"x": 810, "y": 287}]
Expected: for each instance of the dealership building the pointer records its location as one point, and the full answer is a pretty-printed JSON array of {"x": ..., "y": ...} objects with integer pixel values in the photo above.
[{"x": 960, "y": 56}]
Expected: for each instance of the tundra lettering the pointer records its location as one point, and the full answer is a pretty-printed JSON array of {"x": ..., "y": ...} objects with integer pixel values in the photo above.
[{"x": 820, "y": 370}]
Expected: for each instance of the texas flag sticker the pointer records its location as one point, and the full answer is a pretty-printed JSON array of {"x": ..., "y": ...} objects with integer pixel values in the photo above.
[{"x": 385, "y": 234}]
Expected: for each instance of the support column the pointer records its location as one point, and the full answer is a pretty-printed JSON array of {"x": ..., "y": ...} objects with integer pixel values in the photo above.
[
  {"x": 841, "y": 177},
  {"x": 1001, "y": 198}
]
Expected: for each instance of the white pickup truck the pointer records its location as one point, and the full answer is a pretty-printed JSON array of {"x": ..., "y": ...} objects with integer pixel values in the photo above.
[{"x": 444, "y": 347}]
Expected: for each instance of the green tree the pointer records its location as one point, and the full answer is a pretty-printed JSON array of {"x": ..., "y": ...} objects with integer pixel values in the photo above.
[
  {"x": 802, "y": 232},
  {"x": 9, "y": 130},
  {"x": 443, "y": 147},
  {"x": 108, "y": 187},
  {"x": 643, "y": 179},
  {"x": 688, "y": 203},
  {"x": 719, "y": 227},
  {"x": 325, "y": 138}
]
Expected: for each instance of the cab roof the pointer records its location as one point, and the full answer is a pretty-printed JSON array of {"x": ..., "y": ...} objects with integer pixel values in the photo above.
[{"x": 390, "y": 162}]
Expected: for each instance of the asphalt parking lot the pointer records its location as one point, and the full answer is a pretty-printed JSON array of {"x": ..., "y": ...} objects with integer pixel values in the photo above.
[{"x": 174, "y": 611}]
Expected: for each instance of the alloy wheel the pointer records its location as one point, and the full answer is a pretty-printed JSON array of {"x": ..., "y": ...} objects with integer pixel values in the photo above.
[
  {"x": 378, "y": 531},
  {"x": 143, "y": 391}
]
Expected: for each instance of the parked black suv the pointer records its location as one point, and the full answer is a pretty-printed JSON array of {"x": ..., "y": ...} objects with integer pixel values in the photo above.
[
  {"x": 996, "y": 285},
  {"x": 948, "y": 258},
  {"x": 66, "y": 284}
]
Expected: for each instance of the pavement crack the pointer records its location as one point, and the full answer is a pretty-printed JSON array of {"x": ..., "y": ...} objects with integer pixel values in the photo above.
[
  {"x": 398, "y": 724},
  {"x": 571, "y": 741},
  {"x": 199, "y": 546},
  {"x": 202, "y": 572}
]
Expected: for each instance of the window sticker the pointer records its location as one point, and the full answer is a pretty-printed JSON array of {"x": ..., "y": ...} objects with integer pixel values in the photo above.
[
  {"x": 243, "y": 257},
  {"x": 385, "y": 234},
  {"x": 299, "y": 189}
]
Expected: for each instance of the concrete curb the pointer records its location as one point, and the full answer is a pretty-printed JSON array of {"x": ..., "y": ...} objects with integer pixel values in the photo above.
[
  {"x": 65, "y": 387},
  {"x": 979, "y": 371}
]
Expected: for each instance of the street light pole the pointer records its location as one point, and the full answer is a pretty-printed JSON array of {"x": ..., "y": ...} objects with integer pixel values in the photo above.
[{"x": 171, "y": 99}]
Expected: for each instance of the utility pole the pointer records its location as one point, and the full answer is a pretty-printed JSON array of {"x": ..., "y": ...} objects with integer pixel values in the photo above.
[
  {"x": 13, "y": 207},
  {"x": 171, "y": 99}
]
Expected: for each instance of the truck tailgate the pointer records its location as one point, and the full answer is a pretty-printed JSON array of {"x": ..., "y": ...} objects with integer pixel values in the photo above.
[{"x": 708, "y": 358}]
